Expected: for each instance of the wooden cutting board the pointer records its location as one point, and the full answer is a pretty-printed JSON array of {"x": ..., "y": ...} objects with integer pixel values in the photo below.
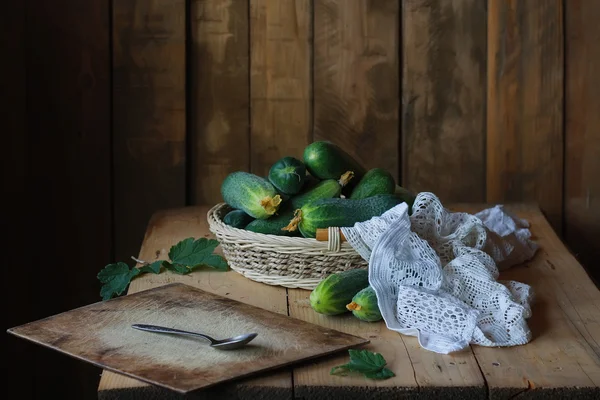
[{"x": 101, "y": 334}]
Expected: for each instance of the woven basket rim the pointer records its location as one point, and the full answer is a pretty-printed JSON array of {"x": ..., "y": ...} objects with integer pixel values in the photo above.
[{"x": 219, "y": 227}]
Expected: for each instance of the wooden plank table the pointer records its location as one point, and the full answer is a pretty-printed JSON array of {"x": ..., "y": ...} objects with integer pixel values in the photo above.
[{"x": 562, "y": 360}]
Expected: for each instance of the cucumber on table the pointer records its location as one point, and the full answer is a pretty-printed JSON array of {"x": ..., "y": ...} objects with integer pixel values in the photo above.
[
  {"x": 364, "y": 305},
  {"x": 326, "y": 160},
  {"x": 288, "y": 175},
  {"x": 237, "y": 219},
  {"x": 274, "y": 225},
  {"x": 321, "y": 214},
  {"x": 254, "y": 195},
  {"x": 333, "y": 293},
  {"x": 375, "y": 181}
]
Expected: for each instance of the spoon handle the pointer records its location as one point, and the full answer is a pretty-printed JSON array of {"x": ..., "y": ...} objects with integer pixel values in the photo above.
[{"x": 163, "y": 329}]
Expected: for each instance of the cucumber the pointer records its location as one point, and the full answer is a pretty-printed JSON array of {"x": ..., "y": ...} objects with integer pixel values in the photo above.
[
  {"x": 364, "y": 305},
  {"x": 326, "y": 160},
  {"x": 324, "y": 213},
  {"x": 375, "y": 181},
  {"x": 405, "y": 195},
  {"x": 274, "y": 225},
  {"x": 332, "y": 294},
  {"x": 287, "y": 175},
  {"x": 250, "y": 193},
  {"x": 237, "y": 219}
]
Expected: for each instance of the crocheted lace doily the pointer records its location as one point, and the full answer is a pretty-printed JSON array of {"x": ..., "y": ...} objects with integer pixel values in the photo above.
[{"x": 435, "y": 273}]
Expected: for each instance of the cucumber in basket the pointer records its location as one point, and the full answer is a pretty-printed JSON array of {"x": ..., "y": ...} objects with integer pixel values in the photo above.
[
  {"x": 288, "y": 175},
  {"x": 326, "y": 160},
  {"x": 376, "y": 181},
  {"x": 254, "y": 195},
  {"x": 274, "y": 225},
  {"x": 321, "y": 214},
  {"x": 237, "y": 219}
]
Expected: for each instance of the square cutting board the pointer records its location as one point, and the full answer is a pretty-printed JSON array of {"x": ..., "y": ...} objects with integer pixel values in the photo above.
[{"x": 101, "y": 334}]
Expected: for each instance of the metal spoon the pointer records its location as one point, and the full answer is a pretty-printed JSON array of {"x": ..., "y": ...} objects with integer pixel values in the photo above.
[{"x": 224, "y": 344}]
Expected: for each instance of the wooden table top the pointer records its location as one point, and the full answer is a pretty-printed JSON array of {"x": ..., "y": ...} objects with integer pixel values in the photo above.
[{"x": 562, "y": 359}]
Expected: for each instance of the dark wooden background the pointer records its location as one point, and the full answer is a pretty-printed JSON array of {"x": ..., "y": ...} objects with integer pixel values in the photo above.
[{"x": 115, "y": 109}]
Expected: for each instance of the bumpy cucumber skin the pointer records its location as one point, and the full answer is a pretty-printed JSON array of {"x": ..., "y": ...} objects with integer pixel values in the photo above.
[
  {"x": 326, "y": 160},
  {"x": 321, "y": 214},
  {"x": 237, "y": 219},
  {"x": 288, "y": 175},
  {"x": 333, "y": 293},
  {"x": 274, "y": 225},
  {"x": 245, "y": 191},
  {"x": 375, "y": 181},
  {"x": 367, "y": 300}
]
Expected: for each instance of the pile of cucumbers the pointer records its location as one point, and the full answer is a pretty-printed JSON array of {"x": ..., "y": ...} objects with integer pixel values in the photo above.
[
  {"x": 326, "y": 188},
  {"x": 346, "y": 291}
]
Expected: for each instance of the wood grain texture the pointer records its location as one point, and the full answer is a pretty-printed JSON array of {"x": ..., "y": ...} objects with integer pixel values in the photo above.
[
  {"x": 582, "y": 132},
  {"x": 148, "y": 115},
  {"x": 356, "y": 83},
  {"x": 219, "y": 95},
  {"x": 165, "y": 229},
  {"x": 525, "y": 104},
  {"x": 101, "y": 334},
  {"x": 443, "y": 98},
  {"x": 417, "y": 371},
  {"x": 562, "y": 359},
  {"x": 280, "y": 74}
]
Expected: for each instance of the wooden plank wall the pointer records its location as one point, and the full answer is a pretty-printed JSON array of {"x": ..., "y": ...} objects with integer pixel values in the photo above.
[{"x": 119, "y": 108}]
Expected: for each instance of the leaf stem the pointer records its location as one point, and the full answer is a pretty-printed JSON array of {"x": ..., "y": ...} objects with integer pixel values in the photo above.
[{"x": 139, "y": 261}]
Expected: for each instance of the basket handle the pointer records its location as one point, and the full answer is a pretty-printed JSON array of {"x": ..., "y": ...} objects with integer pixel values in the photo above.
[{"x": 323, "y": 235}]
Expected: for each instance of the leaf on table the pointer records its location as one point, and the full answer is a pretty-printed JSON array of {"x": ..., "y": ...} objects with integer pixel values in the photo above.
[
  {"x": 177, "y": 268},
  {"x": 370, "y": 364},
  {"x": 191, "y": 254},
  {"x": 152, "y": 267},
  {"x": 116, "y": 278}
]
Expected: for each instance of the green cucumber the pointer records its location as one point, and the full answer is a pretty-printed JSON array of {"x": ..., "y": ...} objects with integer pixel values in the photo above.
[
  {"x": 321, "y": 214},
  {"x": 250, "y": 193},
  {"x": 375, "y": 181},
  {"x": 237, "y": 219},
  {"x": 332, "y": 294},
  {"x": 326, "y": 160},
  {"x": 287, "y": 175},
  {"x": 364, "y": 305},
  {"x": 406, "y": 196},
  {"x": 274, "y": 225}
]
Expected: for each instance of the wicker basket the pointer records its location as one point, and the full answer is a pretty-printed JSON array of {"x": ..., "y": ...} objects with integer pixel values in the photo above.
[{"x": 292, "y": 262}]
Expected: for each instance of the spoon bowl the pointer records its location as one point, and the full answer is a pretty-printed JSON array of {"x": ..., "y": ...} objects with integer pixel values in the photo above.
[{"x": 232, "y": 343}]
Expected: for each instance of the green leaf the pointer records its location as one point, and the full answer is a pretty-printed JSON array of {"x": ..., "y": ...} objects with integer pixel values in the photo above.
[
  {"x": 372, "y": 365},
  {"x": 153, "y": 267},
  {"x": 178, "y": 268},
  {"x": 116, "y": 278},
  {"x": 192, "y": 252}
]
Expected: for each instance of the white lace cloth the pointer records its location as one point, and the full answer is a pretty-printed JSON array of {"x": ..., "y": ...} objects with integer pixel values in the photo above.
[{"x": 435, "y": 273}]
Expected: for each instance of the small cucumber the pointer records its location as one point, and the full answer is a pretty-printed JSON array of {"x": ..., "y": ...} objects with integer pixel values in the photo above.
[
  {"x": 288, "y": 175},
  {"x": 321, "y": 214},
  {"x": 364, "y": 305},
  {"x": 332, "y": 294},
  {"x": 274, "y": 225},
  {"x": 375, "y": 181},
  {"x": 406, "y": 196},
  {"x": 326, "y": 160},
  {"x": 250, "y": 193},
  {"x": 237, "y": 219}
]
